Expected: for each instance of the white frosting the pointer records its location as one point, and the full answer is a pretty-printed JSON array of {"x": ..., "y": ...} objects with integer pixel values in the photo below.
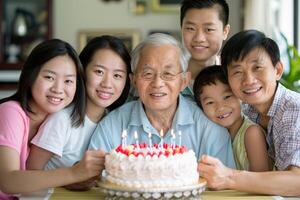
[{"x": 151, "y": 172}]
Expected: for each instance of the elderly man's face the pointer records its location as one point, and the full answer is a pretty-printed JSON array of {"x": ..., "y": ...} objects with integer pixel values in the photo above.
[{"x": 159, "y": 78}]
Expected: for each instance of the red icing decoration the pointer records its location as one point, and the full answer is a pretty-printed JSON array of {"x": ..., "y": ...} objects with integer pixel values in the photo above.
[{"x": 143, "y": 150}]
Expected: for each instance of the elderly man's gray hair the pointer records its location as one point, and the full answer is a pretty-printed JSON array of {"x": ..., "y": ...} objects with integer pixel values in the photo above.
[{"x": 158, "y": 39}]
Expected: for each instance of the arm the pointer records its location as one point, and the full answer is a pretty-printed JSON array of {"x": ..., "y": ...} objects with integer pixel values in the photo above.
[
  {"x": 84, "y": 185},
  {"x": 38, "y": 158},
  {"x": 13, "y": 180},
  {"x": 100, "y": 139},
  {"x": 256, "y": 148},
  {"x": 285, "y": 183}
]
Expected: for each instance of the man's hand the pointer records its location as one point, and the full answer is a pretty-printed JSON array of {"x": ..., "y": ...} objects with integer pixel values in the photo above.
[{"x": 216, "y": 174}]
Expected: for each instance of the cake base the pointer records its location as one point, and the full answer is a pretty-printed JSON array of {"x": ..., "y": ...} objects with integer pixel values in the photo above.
[{"x": 113, "y": 190}]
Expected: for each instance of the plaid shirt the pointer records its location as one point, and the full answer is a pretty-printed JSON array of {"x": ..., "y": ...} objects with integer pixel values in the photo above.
[{"x": 283, "y": 131}]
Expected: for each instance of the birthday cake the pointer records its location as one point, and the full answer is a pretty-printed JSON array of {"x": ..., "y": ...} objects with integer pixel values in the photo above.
[{"x": 141, "y": 166}]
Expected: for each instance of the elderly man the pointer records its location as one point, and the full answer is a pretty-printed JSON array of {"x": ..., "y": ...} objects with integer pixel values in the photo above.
[{"x": 159, "y": 74}]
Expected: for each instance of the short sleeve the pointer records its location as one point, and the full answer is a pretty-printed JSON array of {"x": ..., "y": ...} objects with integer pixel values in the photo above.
[
  {"x": 13, "y": 126},
  {"x": 54, "y": 132}
]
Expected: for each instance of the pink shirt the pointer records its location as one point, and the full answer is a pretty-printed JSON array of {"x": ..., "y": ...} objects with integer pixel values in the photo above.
[{"x": 14, "y": 131}]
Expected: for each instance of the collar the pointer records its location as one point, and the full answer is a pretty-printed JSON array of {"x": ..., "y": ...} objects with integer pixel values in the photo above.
[
  {"x": 188, "y": 91},
  {"x": 278, "y": 99},
  {"x": 183, "y": 115}
]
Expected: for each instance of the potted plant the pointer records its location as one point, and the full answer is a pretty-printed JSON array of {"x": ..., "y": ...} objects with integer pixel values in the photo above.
[{"x": 291, "y": 79}]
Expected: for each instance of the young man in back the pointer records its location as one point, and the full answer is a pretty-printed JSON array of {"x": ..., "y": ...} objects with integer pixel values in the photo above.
[{"x": 204, "y": 27}]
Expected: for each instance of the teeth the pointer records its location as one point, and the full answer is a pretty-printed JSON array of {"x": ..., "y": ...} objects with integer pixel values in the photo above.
[
  {"x": 55, "y": 99},
  {"x": 158, "y": 94},
  {"x": 224, "y": 116},
  {"x": 199, "y": 47},
  {"x": 106, "y": 93},
  {"x": 251, "y": 90},
  {"x": 105, "y": 96}
]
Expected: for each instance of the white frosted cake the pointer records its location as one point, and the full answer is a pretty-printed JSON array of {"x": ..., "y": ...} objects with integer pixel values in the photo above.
[{"x": 158, "y": 166}]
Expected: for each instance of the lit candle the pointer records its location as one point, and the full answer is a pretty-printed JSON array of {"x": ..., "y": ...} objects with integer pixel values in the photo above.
[
  {"x": 173, "y": 137},
  {"x": 136, "y": 139},
  {"x": 179, "y": 134},
  {"x": 124, "y": 135},
  {"x": 150, "y": 140},
  {"x": 161, "y": 139}
]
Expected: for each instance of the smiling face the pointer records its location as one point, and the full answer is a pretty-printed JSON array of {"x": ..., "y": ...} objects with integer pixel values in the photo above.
[
  {"x": 106, "y": 77},
  {"x": 157, "y": 94},
  {"x": 220, "y": 104},
  {"x": 55, "y": 85},
  {"x": 253, "y": 79},
  {"x": 203, "y": 33}
]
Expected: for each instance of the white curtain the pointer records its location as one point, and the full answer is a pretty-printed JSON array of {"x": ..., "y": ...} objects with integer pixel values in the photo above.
[
  {"x": 274, "y": 18},
  {"x": 261, "y": 15}
]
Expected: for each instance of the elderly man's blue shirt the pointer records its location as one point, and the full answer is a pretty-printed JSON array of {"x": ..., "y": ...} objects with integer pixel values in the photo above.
[{"x": 198, "y": 132}]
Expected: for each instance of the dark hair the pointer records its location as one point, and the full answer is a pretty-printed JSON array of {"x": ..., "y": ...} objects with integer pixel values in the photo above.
[
  {"x": 115, "y": 44},
  {"x": 186, "y": 5},
  {"x": 41, "y": 54},
  {"x": 240, "y": 45},
  {"x": 208, "y": 76}
]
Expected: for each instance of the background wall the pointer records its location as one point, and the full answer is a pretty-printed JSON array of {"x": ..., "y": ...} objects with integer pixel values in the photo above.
[{"x": 71, "y": 16}]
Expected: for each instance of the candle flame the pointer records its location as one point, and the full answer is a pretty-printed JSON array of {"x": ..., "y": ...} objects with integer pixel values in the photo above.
[{"x": 149, "y": 135}]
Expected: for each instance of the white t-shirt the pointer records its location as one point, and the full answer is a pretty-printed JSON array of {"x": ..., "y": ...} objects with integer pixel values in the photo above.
[{"x": 58, "y": 136}]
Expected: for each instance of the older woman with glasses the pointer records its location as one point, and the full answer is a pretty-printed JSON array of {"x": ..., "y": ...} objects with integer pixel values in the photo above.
[{"x": 159, "y": 74}]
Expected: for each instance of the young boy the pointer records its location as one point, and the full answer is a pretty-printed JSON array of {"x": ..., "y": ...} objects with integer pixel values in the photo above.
[
  {"x": 252, "y": 63},
  {"x": 214, "y": 96},
  {"x": 204, "y": 27}
]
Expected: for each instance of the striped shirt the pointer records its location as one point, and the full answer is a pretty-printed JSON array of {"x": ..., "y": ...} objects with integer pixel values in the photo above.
[{"x": 283, "y": 131}]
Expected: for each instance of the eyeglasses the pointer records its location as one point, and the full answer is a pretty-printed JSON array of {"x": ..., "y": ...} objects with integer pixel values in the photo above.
[{"x": 165, "y": 75}]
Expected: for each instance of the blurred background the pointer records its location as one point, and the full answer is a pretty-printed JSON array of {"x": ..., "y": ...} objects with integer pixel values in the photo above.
[{"x": 25, "y": 23}]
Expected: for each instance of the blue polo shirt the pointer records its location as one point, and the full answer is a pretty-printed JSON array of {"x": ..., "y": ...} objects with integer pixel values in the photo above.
[{"x": 198, "y": 132}]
